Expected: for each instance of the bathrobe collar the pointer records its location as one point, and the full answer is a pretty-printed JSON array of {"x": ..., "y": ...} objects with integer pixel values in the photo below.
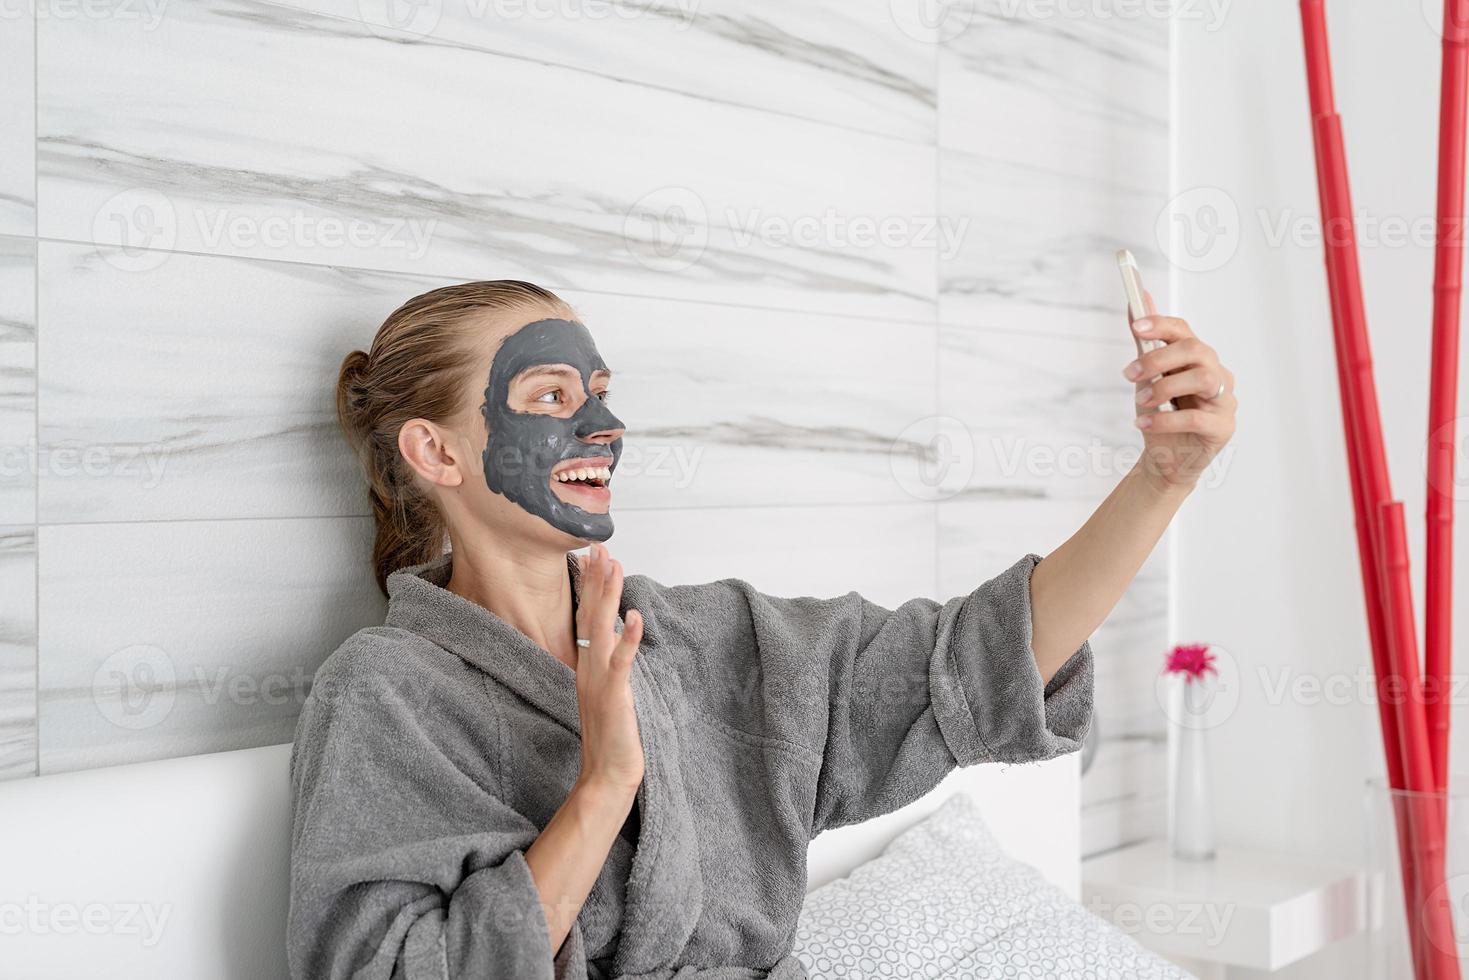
[{"x": 664, "y": 895}]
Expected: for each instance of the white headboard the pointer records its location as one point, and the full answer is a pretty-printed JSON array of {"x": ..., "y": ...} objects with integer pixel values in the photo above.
[
  {"x": 182, "y": 864},
  {"x": 1034, "y": 811}
]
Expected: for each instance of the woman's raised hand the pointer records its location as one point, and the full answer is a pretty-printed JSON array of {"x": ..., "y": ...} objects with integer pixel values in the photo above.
[
  {"x": 1179, "y": 445},
  {"x": 611, "y": 752},
  {"x": 572, "y": 848}
]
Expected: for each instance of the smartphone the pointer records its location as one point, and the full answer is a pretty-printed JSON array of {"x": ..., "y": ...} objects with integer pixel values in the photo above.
[{"x": 1132, "y": 285}]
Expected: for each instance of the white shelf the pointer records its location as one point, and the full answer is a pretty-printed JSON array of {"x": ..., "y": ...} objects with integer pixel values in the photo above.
[{"x": 1250, "y": 909}]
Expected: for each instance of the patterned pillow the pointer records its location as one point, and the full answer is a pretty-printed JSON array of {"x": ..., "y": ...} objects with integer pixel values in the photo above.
[{"x": 943, "y": 901}]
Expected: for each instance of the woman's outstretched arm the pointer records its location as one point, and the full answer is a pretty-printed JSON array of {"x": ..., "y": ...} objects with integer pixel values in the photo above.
[{"x": 1076, "y": 586}]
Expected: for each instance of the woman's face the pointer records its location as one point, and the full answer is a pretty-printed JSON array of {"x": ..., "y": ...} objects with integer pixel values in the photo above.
[{"x": 552, "y": 444}]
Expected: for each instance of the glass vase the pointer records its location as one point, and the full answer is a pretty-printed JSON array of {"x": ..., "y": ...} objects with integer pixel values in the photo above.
[
  {"x": 1418, "y": 925},
  {"x": 1190, "y": 786}
]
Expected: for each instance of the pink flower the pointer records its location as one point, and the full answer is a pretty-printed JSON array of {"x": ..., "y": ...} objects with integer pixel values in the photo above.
[{"x": 1193, "y": 660}]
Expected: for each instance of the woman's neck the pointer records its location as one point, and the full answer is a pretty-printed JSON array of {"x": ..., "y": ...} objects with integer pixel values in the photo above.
[{"x": 531, "y": 592}]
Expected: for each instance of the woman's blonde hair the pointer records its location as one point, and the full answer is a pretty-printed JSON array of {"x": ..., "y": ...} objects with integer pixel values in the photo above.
[{"x": 417, "y": 367}]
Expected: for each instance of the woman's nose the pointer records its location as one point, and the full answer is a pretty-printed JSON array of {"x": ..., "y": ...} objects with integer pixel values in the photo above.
[{"x": 594, "y": 422}]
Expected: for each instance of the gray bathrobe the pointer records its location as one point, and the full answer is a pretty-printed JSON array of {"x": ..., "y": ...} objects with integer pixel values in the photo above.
[{"x": 433, "y": 749}]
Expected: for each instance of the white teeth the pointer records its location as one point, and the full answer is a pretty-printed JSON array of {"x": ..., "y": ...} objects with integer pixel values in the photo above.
[{"x": 603, "y": 473}]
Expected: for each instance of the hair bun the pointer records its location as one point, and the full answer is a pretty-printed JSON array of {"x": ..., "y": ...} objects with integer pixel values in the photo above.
[
  {"x": 351, "y": 380},
  {"x": 354, "y": 366}
]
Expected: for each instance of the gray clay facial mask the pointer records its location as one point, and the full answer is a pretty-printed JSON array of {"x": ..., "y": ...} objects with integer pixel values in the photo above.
[{"x": 524, "y": 447}]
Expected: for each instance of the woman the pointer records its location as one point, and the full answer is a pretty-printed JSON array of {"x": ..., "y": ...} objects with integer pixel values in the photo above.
[{"x": 539, "y": 768}]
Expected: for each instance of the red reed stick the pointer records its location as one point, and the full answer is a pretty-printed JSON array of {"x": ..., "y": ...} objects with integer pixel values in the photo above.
[
  {"x": 1386, "y": 585},
  {"x": 1443, "y": 386},
  {"x": 1353, "y": 357}
]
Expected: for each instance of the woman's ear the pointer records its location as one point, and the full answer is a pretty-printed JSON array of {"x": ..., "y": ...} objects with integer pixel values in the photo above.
[{"x": 430, "y": 452}]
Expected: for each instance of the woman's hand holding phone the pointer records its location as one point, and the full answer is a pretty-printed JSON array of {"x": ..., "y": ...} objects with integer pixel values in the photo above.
[
  {"x": 1078, "y": 585},
  {"x": 1184, "y": 395}
]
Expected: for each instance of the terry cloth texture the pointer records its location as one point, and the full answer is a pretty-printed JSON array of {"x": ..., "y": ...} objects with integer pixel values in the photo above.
[{"x": 432, "y": 750}]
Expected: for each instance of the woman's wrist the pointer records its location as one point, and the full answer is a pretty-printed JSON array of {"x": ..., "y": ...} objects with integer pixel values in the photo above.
[
  {"x": 571, "y": 850},
  {"x": 604, "y": 796},
  {"x": 1157, "y": 486}
]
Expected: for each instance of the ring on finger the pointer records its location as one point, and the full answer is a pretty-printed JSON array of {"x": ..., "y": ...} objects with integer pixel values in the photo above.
[
  {"x": 583, "y": 643},
  {"x": 1217, "y": 393}
]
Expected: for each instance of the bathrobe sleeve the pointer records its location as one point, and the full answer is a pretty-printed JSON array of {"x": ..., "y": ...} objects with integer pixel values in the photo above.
[
  {"x": 891, "y": 700},
  {"x": 404, "y": 863},
  {"x": 916, "y": 691}
]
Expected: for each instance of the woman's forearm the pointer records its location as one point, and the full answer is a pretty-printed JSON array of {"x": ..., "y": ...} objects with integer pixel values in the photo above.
[
  {"x": 572, "y": 848},
  {"x": 1076, "y": 586}
]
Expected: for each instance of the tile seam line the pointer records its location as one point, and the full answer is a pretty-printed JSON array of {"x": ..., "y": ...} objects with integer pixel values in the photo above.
[{"x": 36, "y": 373}]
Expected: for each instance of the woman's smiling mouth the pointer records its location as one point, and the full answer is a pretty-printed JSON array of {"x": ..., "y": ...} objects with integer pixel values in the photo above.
[{"x": 584, "y": 483}]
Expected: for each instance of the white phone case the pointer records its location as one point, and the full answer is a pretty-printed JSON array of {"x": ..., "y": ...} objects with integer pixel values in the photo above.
[{"x": 1132, "y": 284}]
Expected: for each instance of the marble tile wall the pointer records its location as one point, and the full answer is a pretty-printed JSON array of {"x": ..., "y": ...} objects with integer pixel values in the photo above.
[{"x": 851, "y": 260}]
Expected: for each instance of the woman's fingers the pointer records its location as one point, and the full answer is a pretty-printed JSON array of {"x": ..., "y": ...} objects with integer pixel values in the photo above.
[
  {"x": 601, "y": 596},
  {"x": 1209, "y": 425},
  {"x": 1199, "y": 381},
  {"x": 1177, "y": 355},
  {"x": 596, "y": 614},
  {"x": 632, "y": 636},
  {"x": 591, "y": 585},
  {"x": 1167, "y": 328},
  {"x": 604, "y": 612}
]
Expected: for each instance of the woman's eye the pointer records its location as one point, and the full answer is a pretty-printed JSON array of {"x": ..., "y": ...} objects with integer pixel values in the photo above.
[
  {"x": 551, "y": 397},
  {"x": 604, "y": 395}
]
